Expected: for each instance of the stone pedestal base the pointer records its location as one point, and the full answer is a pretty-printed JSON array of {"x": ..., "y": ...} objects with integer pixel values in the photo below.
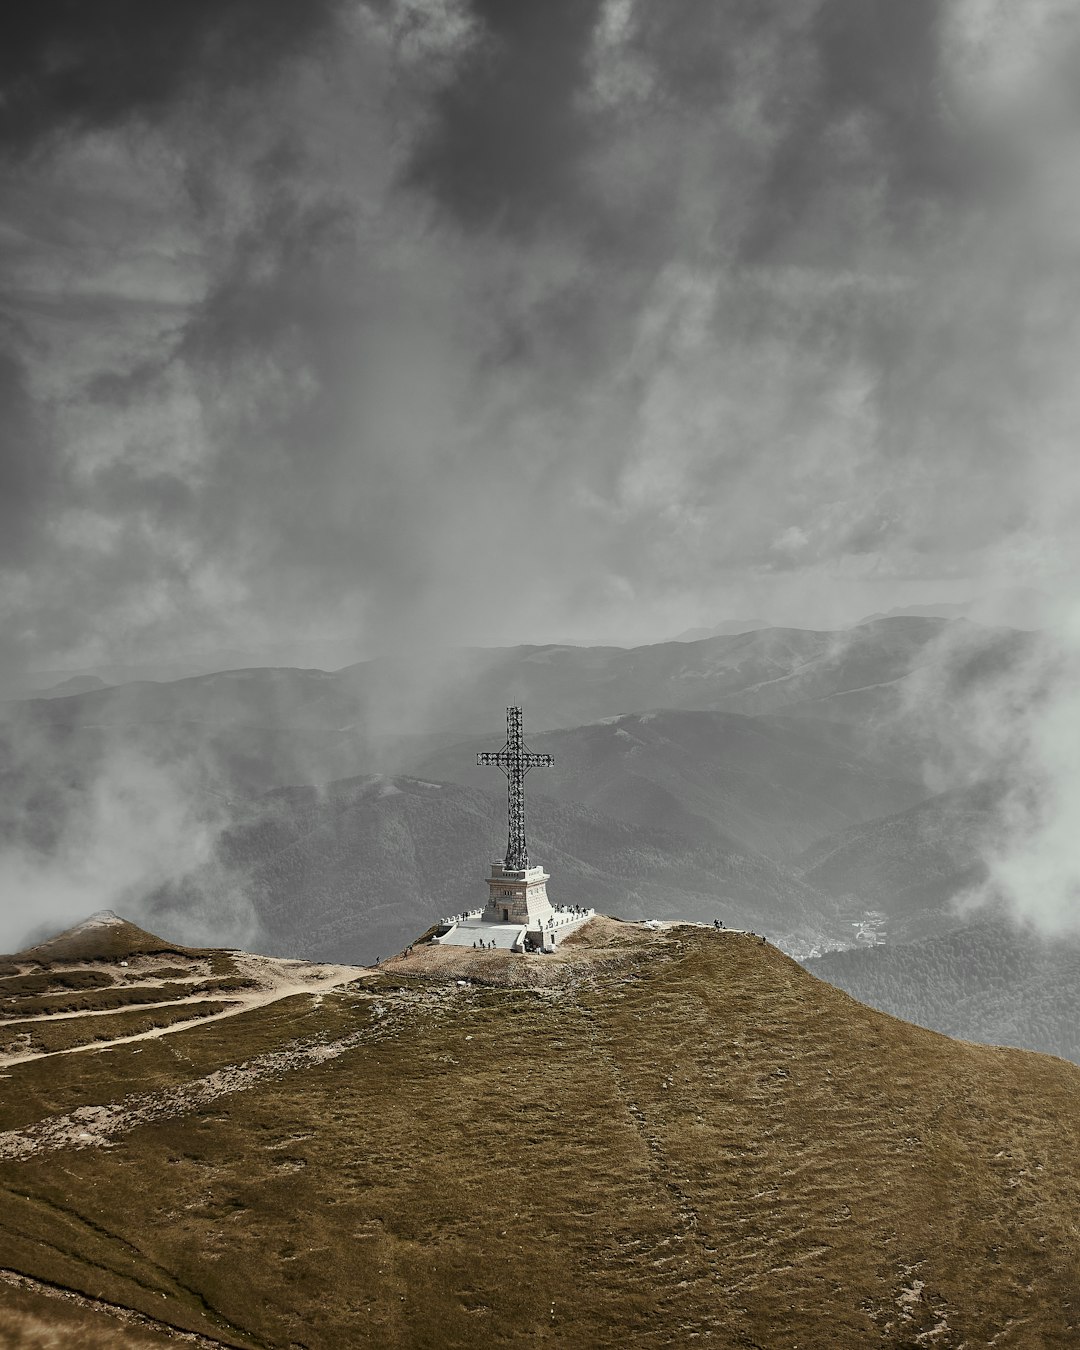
[{"x": 518, "y": 897}]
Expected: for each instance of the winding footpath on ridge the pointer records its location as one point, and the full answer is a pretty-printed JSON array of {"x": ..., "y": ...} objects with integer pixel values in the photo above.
[
  {"x": 274, "y": 979},
  {"x": 93, "y": 1126}
]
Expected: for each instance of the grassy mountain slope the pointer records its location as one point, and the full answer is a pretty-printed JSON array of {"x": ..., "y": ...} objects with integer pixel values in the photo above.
[
  {"x": 104, "y": 936},
  {"x": 651, "y": 1138},
  {"x": 351, "y": 871},
  {"x": 988, "y": 981},
  {"x": 106, "y": 981},
  {"x": 707, "y": 775}
]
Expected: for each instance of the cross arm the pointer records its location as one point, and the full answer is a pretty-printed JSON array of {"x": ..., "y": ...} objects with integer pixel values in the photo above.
[{"x": 504, "y": 759}]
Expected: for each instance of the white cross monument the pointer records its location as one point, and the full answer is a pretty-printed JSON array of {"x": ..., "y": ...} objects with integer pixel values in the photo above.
[{"x": 518, "y": 915}]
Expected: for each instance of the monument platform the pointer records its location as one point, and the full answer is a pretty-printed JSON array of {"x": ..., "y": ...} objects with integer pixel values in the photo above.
[{"x": 477, "y": 928}]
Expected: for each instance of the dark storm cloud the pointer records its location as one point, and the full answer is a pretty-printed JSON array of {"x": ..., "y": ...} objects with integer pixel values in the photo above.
[
  {"x": 507, "y": 134},
  {"x": 287, "y": 316},
  {"x": 702, "y": 287},
  {"x": 512, "y": 134},
  {"x": 67, "y": 64},
  {"x": 28, "y": 463},
  {"x": 866, "y": 105},
  {"x": 160, "y": 497},
  {"x": 441, "y": 323},
  {"x": 124, "y": 519},
  {"x": 877, "y": 75}
]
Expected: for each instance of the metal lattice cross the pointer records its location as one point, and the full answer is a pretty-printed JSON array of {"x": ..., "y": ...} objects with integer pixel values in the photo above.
[{"x": 515, "y": 759}]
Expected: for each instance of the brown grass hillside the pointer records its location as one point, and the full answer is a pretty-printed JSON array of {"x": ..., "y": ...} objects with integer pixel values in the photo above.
[
  {"x": 104, "y": 936},
  {"x": 654, "y": 1138}
]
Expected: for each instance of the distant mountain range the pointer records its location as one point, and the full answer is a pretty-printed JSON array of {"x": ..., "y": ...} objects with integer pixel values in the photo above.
[
  {"x": 773, "y": 785},
  {"x": 945, "y": 610},
  {"x": 779, "y": 749},
  {"x": 912, "y": 865},
  {"x": 1022, "y": 607},
  {"x": 727, "y": 628},
  {"x": 285, "y": 725},
  {"x": 76, "y": 684},
  {"x": 357, "y": 869},
  {"x": 329, "y": 654}
]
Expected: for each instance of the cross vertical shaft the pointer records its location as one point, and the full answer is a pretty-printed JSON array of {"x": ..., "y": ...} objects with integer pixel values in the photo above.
[{"x": 515, "y": 759}]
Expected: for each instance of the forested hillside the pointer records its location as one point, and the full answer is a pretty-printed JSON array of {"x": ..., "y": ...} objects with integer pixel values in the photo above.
[
  {"x": 910, "y": 865},
  {"x": 990, "y": 981}
]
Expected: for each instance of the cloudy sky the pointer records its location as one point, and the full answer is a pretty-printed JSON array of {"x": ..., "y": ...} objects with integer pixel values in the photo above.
[{"x": 495, "y": 320}]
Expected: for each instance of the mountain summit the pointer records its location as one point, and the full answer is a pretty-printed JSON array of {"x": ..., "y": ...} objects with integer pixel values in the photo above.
[
  {"x": 659, "y": 1135},
  {"x": 100, "y": 936}
]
